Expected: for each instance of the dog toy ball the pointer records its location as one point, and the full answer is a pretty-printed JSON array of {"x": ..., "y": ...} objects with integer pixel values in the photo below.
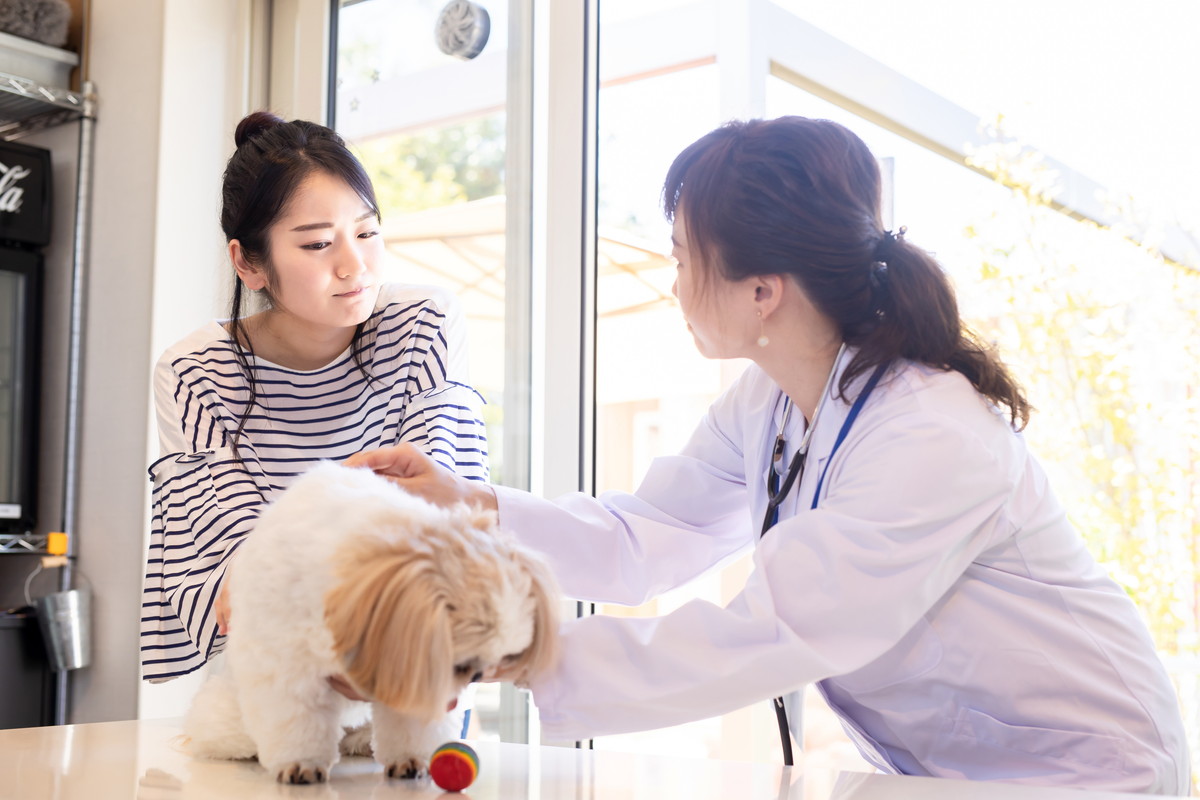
[{"x": 454, "y": 766}]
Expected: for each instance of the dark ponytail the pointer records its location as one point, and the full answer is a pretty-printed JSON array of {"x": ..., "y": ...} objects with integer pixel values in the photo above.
[
  {"x": 917, "y": 318},
  {"x": 272, "y": 160},
  {"x": 801, "y": 197}
]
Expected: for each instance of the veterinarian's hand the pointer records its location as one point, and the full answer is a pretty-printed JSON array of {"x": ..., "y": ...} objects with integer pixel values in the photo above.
[
  {"x": 421, "y": 475},
  {"x": 504, "y": 673}
]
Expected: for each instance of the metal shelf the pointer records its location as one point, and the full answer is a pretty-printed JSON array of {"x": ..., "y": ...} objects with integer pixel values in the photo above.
[
  {"x": 27, "y": 106},
  {"x": 23, "y": 543}
]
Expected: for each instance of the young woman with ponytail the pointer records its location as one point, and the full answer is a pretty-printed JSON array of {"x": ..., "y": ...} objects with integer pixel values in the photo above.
[{"x": 910, "y": 557}]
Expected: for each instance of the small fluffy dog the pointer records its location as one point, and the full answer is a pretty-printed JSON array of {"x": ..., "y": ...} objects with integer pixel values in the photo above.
[{"x": 347, "y": 574}]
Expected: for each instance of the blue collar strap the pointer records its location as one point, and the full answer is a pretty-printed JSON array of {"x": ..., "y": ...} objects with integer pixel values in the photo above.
[{"x": 872, "y": 382}]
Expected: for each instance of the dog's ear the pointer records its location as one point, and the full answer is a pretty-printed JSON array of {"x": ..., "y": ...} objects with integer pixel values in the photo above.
[
  {"x": 388, "y": 613},
  {"x": 543, "y": 650}
]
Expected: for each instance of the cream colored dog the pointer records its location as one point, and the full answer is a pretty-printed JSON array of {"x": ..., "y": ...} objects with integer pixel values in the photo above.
[{"x": 348, "y": 574}]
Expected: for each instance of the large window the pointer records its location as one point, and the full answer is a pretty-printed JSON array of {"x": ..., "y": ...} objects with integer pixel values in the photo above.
[
  {"x": 430, "y": 128},
  {"x": 1099, "y": 329},
  {"x": 1053, "y": 293}
]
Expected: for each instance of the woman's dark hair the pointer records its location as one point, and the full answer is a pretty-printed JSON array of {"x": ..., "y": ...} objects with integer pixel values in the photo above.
[
  {"x": 801, "y": 197},
  {"x": 272, "y": 160}
]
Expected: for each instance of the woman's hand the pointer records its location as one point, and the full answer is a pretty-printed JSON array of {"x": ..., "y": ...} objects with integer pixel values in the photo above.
[
  {"x": 221, "y": 607},
  {"x": 342, "y": 686},
  {"x": 419, "y": 474}
]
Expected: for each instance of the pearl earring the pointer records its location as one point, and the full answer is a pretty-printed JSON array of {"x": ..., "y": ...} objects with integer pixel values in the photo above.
[{"x": 763, "y": 341}]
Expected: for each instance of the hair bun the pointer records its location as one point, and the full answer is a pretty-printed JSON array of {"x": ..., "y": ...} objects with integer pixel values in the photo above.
[{"x": 255, "y": 124}]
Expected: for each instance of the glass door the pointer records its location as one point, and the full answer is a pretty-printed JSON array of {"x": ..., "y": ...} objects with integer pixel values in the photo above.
[
  {"x": 652, "y": 386},
  {"x": 421, "y": 98},
  {"x": 430, "y": 96}
]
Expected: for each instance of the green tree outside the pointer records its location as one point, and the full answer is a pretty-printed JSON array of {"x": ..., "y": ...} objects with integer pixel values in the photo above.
[{"x": 1105, "y": 335}]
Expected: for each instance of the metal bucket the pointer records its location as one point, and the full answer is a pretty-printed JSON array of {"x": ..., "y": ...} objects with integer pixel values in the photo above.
[{"x": 65, "y": 619}]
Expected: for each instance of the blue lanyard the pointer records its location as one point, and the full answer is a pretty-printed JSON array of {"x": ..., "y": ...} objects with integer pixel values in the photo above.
[
  {"x": 841, "y": 437},
  {"x": 775, "y": 495},
  {"x": 774, "y": 498}
]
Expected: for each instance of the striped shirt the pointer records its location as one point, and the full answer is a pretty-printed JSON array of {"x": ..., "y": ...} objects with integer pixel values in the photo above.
[{"x": 205, "y": 501}]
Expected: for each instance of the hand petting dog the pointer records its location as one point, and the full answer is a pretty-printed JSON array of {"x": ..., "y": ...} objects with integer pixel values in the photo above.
[{"x": 420, "y": 475}]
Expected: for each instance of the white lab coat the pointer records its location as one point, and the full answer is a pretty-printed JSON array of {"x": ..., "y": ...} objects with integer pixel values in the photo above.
[{"x": 952, "y": 616}]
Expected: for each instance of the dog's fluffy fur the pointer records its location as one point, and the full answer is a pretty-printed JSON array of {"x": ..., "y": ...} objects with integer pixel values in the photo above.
[{"x": 348, "y": 574}]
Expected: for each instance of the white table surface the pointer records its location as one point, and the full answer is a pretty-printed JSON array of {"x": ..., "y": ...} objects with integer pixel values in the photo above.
[{"x": 147, "y": 760}]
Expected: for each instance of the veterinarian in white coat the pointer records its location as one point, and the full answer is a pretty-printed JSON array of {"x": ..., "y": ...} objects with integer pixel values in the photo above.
[{"x": 919, "y": 569}]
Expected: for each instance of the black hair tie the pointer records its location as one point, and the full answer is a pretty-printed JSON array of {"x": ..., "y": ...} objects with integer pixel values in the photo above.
[
  {"x": 887, "y": 243},
  {"x": 878, "y": 277}
]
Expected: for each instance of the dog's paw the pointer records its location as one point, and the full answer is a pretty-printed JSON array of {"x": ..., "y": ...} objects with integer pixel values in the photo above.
[
  {"x": 298, "y": 772},
  {"x": 411, "y": 767}
]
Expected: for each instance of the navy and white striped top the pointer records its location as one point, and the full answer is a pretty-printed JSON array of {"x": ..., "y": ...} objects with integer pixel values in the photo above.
[{"x": 205, "y": 501}]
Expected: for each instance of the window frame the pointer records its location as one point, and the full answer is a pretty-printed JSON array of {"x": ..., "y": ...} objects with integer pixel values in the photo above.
[{"x": 550, "y": 242}]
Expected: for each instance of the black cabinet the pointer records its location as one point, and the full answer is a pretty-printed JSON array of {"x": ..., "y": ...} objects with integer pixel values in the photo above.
[{"x": 26, "y": 681}]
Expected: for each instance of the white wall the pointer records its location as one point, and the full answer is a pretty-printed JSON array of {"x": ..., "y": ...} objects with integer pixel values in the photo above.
[
  {"x": 172, "y": 80},
  {"x": 126, "y": 53},
  {"x": 208, "y": 82}
]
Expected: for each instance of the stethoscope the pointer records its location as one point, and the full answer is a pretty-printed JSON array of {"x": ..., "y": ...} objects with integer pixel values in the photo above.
[{"x": 776, "y": 492}]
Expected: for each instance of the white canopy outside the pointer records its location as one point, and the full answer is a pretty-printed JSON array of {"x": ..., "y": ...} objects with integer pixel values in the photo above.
[{"x": 462, "y": 247}]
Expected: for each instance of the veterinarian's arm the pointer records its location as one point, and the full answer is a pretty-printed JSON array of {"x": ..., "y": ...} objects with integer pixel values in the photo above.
[{"x": 688, "y": 515}]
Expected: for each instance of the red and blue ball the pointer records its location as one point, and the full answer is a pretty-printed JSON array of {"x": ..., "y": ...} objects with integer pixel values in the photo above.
[{"x": 454, "y": 766}]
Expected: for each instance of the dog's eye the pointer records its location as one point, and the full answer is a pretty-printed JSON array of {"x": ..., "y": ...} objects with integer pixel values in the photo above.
[{"x": 468, "y": 668}]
